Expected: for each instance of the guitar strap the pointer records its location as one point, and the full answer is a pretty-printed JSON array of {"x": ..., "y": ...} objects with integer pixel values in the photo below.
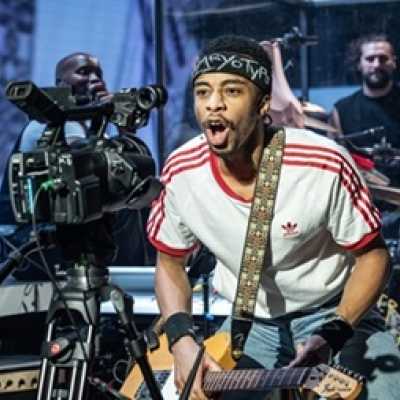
[{"x": 257, "y": 240}]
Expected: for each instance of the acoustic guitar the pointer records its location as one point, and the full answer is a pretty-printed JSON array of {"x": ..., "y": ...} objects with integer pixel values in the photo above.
[{"x": 323, "y": 380}]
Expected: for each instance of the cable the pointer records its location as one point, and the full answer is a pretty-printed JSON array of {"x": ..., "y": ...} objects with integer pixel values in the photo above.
[
  {"x": 117, "y": 364},
  {"x": 14, "y": 259},
  {"x": 26, "y": 257}
]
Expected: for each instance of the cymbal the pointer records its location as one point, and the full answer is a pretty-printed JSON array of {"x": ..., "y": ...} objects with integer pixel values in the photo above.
[
  {"x": 374, "y": 177},
  {"x": 313, "y": 108},
  {"x": 386, "y": 193},
  {"x": 311, "y": 122}
]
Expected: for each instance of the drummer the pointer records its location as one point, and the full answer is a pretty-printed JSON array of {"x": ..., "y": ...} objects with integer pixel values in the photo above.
[{"x": 375, "y": 104}]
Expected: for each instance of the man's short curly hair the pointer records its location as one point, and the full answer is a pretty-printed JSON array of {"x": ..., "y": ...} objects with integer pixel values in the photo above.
[{"x": 355, "y": 47}]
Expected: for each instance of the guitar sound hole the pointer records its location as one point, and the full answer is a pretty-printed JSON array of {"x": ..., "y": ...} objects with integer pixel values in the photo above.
[{"x": 143, "y": 393}]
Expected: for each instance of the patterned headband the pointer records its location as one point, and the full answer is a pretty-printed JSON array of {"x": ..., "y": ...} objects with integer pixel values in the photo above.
[{"x": 235, "y": 64}]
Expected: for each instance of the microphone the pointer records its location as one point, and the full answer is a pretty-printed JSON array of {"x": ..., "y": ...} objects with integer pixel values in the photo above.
[
  {"x": 382, "y": 149},
  {"x": 367, "y": 132},
  {"x": 371, "y": 131}
]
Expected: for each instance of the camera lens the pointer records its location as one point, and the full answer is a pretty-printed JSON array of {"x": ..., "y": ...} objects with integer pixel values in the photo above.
[{"x": 151, "y": 96}]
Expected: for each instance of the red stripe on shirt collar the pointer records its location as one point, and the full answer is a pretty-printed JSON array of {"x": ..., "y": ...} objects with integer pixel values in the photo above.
[{"x": 216, "y": 171}]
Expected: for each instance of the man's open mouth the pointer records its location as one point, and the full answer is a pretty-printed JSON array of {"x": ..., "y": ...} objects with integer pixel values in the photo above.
[{"x": 217, "y": 132}]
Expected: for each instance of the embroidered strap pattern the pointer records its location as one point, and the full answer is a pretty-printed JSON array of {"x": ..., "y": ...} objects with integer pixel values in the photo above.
[{"x": 257, "y": 242}]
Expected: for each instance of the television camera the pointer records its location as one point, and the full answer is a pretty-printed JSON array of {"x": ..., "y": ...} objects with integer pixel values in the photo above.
[
  {"x": 73, "y": 186},
  {"x": 76, "y": 183}
]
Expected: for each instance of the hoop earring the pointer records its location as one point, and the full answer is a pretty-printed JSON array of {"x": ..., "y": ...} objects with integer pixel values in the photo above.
[{"x": 267, "y": 119}]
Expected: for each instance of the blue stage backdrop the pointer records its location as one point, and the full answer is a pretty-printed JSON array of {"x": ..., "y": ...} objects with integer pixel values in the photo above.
[
  {"x": 16, "y": 48},
  {"x": 36, "y": 34}
]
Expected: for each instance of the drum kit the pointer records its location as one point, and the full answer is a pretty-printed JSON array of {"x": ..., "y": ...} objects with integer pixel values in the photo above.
[
  {"x": 368, "y": 159},
  {"x": 287, "y": 110}
]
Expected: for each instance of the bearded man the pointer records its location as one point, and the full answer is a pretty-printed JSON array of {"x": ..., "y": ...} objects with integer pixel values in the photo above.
[{"x": 377, "y": 102}]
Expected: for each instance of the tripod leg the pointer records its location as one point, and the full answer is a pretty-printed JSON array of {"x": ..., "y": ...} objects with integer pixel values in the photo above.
[
  {"x": 69, "y": 346},
  {"x": 64, "y": 367}
]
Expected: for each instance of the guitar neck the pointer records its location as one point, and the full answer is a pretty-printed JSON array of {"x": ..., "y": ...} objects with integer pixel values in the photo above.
[{"x": 255, "y": 379}]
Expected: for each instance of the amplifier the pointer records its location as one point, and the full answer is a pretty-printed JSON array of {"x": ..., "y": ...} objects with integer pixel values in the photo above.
[{"x": 19, "y": 377}]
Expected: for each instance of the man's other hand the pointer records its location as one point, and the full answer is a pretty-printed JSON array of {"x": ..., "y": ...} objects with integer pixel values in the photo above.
[{"x": 314, "y": 351}]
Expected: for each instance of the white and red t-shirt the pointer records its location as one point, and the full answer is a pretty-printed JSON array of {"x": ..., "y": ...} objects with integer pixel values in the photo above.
[{"x": 323, "y": 208}]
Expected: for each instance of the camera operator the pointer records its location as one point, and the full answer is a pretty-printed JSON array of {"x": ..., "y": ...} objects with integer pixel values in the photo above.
[{"x": 83, "y": 73}]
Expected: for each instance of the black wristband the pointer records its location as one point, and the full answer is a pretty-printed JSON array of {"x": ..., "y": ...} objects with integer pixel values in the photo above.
[
  {"x": 178, "y": 325},
  {"x": 336, "y": 332}
]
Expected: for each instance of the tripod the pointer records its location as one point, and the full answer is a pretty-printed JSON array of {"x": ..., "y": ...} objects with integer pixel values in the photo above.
[{"x": 69, "y": 348}]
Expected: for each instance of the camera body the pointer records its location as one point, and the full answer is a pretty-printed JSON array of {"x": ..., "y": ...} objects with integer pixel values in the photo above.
[{"x": 77, "y": 183}]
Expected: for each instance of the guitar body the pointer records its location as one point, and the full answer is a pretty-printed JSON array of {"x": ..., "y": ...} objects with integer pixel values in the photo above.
[
  {"x": 161, "y": 362},
  {"x": 326, "y": 381}
]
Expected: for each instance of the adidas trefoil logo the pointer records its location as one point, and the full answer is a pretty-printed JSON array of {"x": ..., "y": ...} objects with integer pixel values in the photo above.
[{"x": 289, "y": 229}]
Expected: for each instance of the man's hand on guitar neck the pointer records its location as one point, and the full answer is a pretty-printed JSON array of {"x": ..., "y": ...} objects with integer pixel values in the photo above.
[
  {"x": 184, "y": 352},
  {"x": 314, "y": 351}
]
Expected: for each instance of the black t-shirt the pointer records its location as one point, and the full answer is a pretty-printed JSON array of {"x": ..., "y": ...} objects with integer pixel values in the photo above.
[{"x": 359, "y": 112}]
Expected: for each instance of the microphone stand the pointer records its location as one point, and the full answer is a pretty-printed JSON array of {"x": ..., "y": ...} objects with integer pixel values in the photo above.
[
  {"x": 189, "y": 382},
  {"x": 371, "y": 131},
  {"x": 296, "y": 38},
  {"x": 345, "y": 140}
]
